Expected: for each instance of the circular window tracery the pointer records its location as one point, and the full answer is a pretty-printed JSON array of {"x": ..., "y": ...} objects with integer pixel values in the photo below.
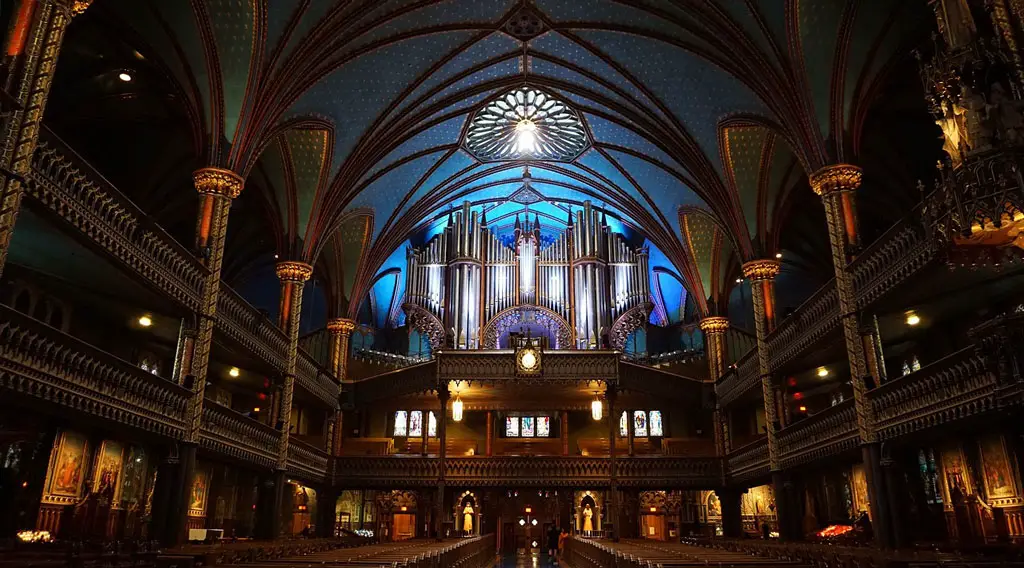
[{"x": 526, "y": 123}]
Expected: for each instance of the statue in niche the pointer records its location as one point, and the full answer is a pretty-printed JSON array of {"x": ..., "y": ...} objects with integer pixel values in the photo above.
[
  {"x": 976, "y": 115},
  {"x": 956, "y": 24},
  {"x": 467, "y": 518},
  {"x": 954, "y": 131},
  {"x": 588, "y": 523}
]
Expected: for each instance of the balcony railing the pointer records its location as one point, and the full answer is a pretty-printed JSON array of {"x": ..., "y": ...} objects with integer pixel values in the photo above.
[
  {"x": 250, "y": 328},
  {"x": 738, "y": 380},
  {"x": 306, "y": 461},
  {"x": 953, "y": 388},
  {"x": 67, "y": 185},
  {"x": 316, "y": 380},
  {"x": 520, "y": 471},
  {"x": 827, "y": 433},
  {"x": 229, "y": 433},
  {"x": 44, "y": 363},
  {"x": 417, "y": 378},
  {"x": 749, "y": 462},
  {"x": 902, "y": 251}
]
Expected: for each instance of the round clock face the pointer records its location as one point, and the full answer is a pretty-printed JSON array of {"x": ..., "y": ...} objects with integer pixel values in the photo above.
[{"x": 529, "y": 359}]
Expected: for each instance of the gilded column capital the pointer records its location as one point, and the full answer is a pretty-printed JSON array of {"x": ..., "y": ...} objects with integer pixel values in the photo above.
[
  {"x": 292, "y": 271},
  {"x": 837, "y": 177},
  {"x": 343, "y": 326},
  {"x": 758, "y": 270},
  {"x": 714, "y": 325},
  {"x": 80, "y": 6},
  {"x": 218, "y": 181}
]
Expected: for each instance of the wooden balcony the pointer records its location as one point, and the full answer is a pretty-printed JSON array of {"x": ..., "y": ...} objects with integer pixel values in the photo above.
[
  {"x": 520, "y": 471},
  {"x": 559, "y": 367},
  {"x": 231, "y": 434},
  {"x": 48, "y": 366},
  {"x": 749, "y": 462},
  {"x": 827, "y": 433},
  {"x": 306, "y": 461}
]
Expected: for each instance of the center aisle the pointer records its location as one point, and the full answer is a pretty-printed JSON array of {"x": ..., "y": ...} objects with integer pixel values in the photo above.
[
  {"x": 583, "y": 553},
  {"x": 477, "y": 552}
]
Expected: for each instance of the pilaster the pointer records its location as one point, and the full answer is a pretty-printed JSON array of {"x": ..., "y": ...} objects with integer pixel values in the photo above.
[
  {"x": 714, "y": 328},
  {"x": 761, "y": 275},
  {"x": 340, "y": 330}
]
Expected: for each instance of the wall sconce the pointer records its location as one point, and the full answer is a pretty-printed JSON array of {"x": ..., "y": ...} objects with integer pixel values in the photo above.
[
  {"x": 457, "y": 409},
  {"x": 597, "y": 409}
]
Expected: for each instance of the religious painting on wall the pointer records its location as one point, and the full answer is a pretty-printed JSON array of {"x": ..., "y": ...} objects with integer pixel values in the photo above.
[
  {"x": 67, "y": 467},
  {"x": 998, "y": 478},
  {"x": 955, "y": 477},
  {"x": 107, "y": 475},
  {"x": 859, "y": 484},
  {"x": 200, "y": 490}
]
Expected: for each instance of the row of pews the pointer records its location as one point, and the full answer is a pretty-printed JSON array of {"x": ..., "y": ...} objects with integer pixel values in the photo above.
[
  {"x": 584, "y": 553},
  {"x": 476, "y": 552}
]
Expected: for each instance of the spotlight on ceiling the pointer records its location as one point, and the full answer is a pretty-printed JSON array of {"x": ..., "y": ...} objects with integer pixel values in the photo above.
[
  {"x": 913, "y": 318},
  {"x": 234, "y": 372},
  {"x": 145, "y": 321},
  {"x": 125, "y": 76},
  {"x": 822, "y": 372}
]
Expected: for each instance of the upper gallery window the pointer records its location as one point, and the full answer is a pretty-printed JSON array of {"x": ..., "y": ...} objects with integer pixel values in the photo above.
[
  {"x": 645, "y": 423},
  {"x": 526, "y": 123},
  {"x": 410, "y": 423},
  {"x": 527, "y": 426}
]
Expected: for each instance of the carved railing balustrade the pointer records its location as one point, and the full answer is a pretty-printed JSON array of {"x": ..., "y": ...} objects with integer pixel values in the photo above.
[
  {"x": 738, "y": 379},
  {"x": 65, "y": 184},
  {"x": 229, "y": 433},
  {"x": 316, "y": 380},
  {"x": 955, "y": 387},
  {"x": 306, "y": 461},
  {"x": 527, "y": 471},
  {"x": 658, "y": 383},
  {"x": 749, "y": 462},
  {"x": 668, "y": 472},
  {"x": 40, "y": 362},
  {"x": 386, "y": 471},
  {"x": 410, "y": 380},
  {"x": 901, "y": 252},
  {"x": 558, "y": 367},
  {"x": 827, "y": 433},
  {"x": 250, "y": 328}
]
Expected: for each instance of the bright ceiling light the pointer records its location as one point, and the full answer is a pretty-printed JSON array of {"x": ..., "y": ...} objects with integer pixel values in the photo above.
[
  {"x": 526, "y": 137},
  {"x": 234, "y": 372},
  {"x": 913, "y": 319},
  {"x": 145, "y": 321},
  {"x": 125, "y": 76},
  {"x": 822, "y": 372}
]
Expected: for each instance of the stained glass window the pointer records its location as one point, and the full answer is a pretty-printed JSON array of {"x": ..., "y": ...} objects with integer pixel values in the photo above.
[
  {"x": 512, "y": 426},
  {"x": 526, "y": 123},
  {"x": 432, "y": 425},
  {"x": 401, "y": 423},
  {"x": 640, "y": 423},
  {"x": 655, "y": 423},
  {"x": 416, "y": 423},
  {"x": 624, "y": 424},
  {"x": 543, "y": 426},
  {"x": 527, "y": 429}
]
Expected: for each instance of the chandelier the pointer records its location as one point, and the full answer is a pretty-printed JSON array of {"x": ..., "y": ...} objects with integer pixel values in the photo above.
[{"x": 526, "y": 123}]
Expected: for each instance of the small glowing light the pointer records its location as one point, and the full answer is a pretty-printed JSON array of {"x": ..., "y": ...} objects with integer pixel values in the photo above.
[
  {"x": 654, "y": 509},
  {"x": 778, "y": 255},
  {"x": 24, "y": 484},
  {"x": 803, "y": 409},
  {"x": 522, "y": 522},
  {"x": 275, "y": 256},
  {"x": 798, "y": 395},
  {"x": 457, "y": 409},
  {"x": 822, "y": 372},
  {"x": 124, "y": 76},
  {"x": 234, "y": 372},
  {"x": 597, "y": 409},
  {"x": 913, "y": 319},
  {"x": 526, "y": 137},
  {"x": 529, "y": 510},
  {"x": 404, "y": 508},
  {"x": 739, "y": 280},
  {"x": 145, "y": 321},
  {"x": 256, "y": 409},
  {"x": 534, "y": 523}
]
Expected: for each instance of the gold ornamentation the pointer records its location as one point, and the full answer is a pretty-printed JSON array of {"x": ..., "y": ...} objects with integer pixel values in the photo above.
[
  {"x": 528, "y": 361},
  {"x": 714, "y": 324},
  {"x": 341, "y": 325},
  {"x": 80, "y": 6},
  {"x": 292, "y": 271},
  {"x": 837, "y": 177},
  {"x": 758, "y": 270},
  {"x": 218, "y": 181}
]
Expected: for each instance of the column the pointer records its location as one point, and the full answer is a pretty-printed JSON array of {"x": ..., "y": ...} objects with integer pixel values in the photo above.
[
  {"x": 489, "y": 442},
  {"x": 837, "y": 185},
  {"x": 442, "y": 422},
  {"x": 714, "y": 328},
  {"x": 293, "y": 276},
  {"x": 340, "y": 330},
  {"x": 183, "y": 353},
  {"x": 565, "y": 432},
  {"x": 613, "y": 487},
  {"x": 36, "y": 40},
  {"x": 629, "y": 435},
  {"x": 732, "y": 515},
  {"x": 761, "y": 276},
  {"x": 874, "y": 357}
]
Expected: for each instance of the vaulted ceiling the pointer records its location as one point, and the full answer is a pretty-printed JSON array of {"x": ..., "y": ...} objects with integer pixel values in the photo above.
[{"x": 348, "y": 119}]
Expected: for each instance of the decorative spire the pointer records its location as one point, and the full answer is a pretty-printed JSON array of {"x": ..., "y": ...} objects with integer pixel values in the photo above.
[
  {"x": 569, "y": 224},
  {"x": 483, "y": 217}
]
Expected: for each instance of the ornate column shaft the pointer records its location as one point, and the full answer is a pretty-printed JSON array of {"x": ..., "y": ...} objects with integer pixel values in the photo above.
[
  {"x": 836, "y": 186},
  {"x": 183, "y": 353},
  {"x": 761, "y": 274},
  {"x": 714, "y": 329},
  {"x": 565, "y": 433},
  {"x": 41, "y": 29},
  {"x": 341, "y": 333},
  {"x": 874, "y": 357},
  {"x": 442, "y": 427},
  {"x": 613, "y": 487},
  {"x": 293, "y": 277},
  {"x": 489, "y": 442},
  {"x": 217, "y": 188}
]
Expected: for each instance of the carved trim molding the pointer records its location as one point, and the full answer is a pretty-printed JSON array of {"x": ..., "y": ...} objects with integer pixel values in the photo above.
[
  {"x": 426, "y": 323},
  {"x": 633, "y": 319},
  {"x": 511, "y": 317}
]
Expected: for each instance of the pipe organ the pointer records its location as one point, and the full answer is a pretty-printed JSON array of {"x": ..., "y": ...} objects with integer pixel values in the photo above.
[{"x": 470, "y": 283}]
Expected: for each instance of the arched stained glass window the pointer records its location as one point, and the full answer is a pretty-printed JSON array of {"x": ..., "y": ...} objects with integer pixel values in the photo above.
[
  {"x": 624, "y": 424},
  {"x": 401, "y": 423},
  {"x": 526, "y": 122},
  {"x": 432, "y": 425},
  {"x": 655, "y": 424}
]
